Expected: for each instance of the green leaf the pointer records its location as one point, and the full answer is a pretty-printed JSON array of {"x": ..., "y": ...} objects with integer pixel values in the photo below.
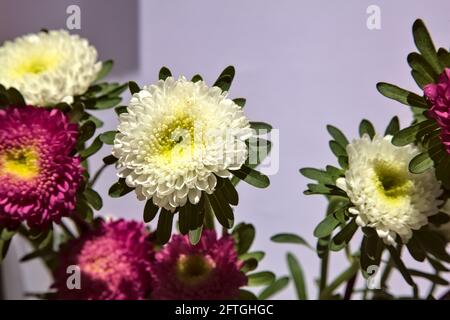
[
  {"x": 443, "y": 171},
  {"x": 164, "y": 73},
  {"x": 6, "y": 234},
  {"x": 164, "y": 228},
  {"x": 290, "y": 238},
  {"x": 86, "y": 131},
  {"x": 260, "y": 126},
  {"x": 105, "y": 70},
  {"x": 92, "y": 149},
  {"x": 121, "y": 109},
  {"x": 371, "y": 249},
  {"x": 321, "y": 176},
  {"x": 83, "y": 209},
  {"x": 274, "y": 288},
  {"x": 366, "y": 127},
  {"x": 401, "y": 266},
  {"x": 433, "y": 278},
  {"x": 252, "y": 177},
  {"x": 195, "y": 235},
  {"x": 195, "y": 213},
  {"x": 261, "y": 278},
  {"x": 111, "y": 90},
  {"x": 240, "y": 102},
  {"x": 119, "y": 189},
  {"x": 418, "y": 63},
  {"x": 325, "y": 190},
  {"x": 106, "y": 103},
  {"x": 420, "y": 163},
  {"x": 93, "y": 198},
  {"x": 401, "y": 95},
  {"x": 297, "y": 276},
  {"x": 413, "y": 133},
  {"x": 40, "y": 253},
  {"x": 393, "y": 127},
  {"x": 109, "y": 160},
  {"x": 439, "y": 219},
  {"x": 337, "y": 135},
  {"x": 416, "y": 250},
  {"x": 4, "y": 246},
  {"x": 438, "y": 266},
  {"x": 249, "y": 265},
  {"x": 258, "y": 150},
  {"x": 343, "y": 237},
  {"x": 334, "y": 172},
  {"x": 257, "y": 255},
  {"x": 246, "y": 295},
  {"x": 244, "y": 235},
  {"x": 337, "y": 149},
  {"x": 421, "y": 80},
  {"x": 45, "y": 240},
  {"x": 183, "y": 221},
  {"x": 444, "y": 57},
  {"x": 197, "y": 78},
  {"x": 108, "y": 137},
  {"x": 150, "y": 211},
  {"x": 15, "y": 97},
  {"x": 221, "y": 209},
  {"x": 326, "y": 227},
  {"x": 425, "y": 45},
  {"x": 133, "y": 87},
  {"x": 229, "y": 192},
  {"x": 343, "y": 162},
  {"x": 225, "y": 79},
  {"x": 433, "y": 243},
  {"x": 89, "y": 117}
]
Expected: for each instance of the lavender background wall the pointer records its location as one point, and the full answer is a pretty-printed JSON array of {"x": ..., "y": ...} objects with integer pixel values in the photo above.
[{"x": 300, "y": 64}]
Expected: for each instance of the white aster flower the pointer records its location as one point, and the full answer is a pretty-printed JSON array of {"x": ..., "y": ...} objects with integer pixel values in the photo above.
[
  {"x": 48, "y": 68},
  {"x": 385, "y": 195},
  {"x": 176, "y": 137}
]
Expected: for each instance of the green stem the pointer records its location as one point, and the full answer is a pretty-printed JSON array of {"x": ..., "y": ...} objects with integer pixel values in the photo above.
[
  {"x": 350, "y": 287},
  {"x": 67, "y": 230},
  {"x": 324, "y": 271},
  {"x": 343, "y": 277},
  {"x": 24, "y": 233},
  {"x": 97, "y": 174},
  {"x": 386, "y": 272}
]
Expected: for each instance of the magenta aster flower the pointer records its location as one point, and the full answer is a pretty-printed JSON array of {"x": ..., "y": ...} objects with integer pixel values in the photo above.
[
  {"x": 39, "y": 176},
  {"x": 438, "y": 94},
  {"x": 209, "y": 270},
  {"x": 114, "y": 263}
]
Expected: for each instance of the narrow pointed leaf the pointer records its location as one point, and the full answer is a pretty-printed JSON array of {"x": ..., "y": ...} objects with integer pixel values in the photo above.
[
  {"x": 252, "y": 177},
  {"x": 277, "y": 286},
  {"x": 297, "y": 276},
  {"x": 425, "y": 45},
  {"x": 150, "y": 211},
  {"x": 164, "y": 73},
  {"x": 164, "y": 228},
  {"x": 401, "y": 95}
]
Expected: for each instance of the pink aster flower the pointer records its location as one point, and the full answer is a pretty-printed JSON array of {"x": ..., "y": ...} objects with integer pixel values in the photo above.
[
  {"x": 438, "y": 94},
  {"x": 113, "y": 260},
  {"x": 209, "y": 270},
  {"x": 39, "y": 176}
]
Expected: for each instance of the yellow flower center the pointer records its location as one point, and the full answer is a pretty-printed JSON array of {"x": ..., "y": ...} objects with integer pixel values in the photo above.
[
  {"x": 392, "y": 180},
  {"x": 35, "y": 63},
  {"x": 174, "y": 139},
  {"x": 193, "y": 269},
  {"x": 22, "y": 163}
]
